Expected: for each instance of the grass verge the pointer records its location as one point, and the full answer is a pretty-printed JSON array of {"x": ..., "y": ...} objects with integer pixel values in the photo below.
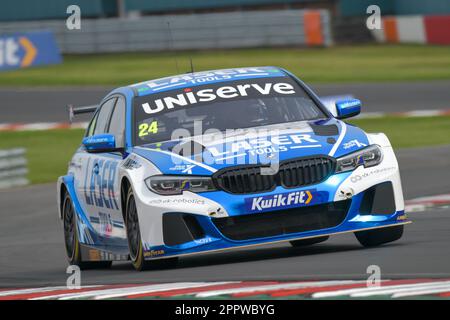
[
  {"x": 49, "y": 152},
  {"x": 361, "y": 63}
]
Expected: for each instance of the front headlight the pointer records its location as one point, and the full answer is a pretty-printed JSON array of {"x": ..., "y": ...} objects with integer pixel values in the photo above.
[
  {"x": 171, "y": 185},
  {"x": 368, "y": 157}
]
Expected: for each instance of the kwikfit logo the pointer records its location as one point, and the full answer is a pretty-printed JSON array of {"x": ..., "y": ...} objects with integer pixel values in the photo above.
[
  {"x": 207, "y": 95},
  {"x": 279, "y": 200}
]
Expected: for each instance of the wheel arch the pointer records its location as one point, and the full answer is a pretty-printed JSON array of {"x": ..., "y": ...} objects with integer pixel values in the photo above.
[
  {"x": 125, "y": 186},
  {"x": 62, "y": 194},
  {"x": 65, "y": 185}
]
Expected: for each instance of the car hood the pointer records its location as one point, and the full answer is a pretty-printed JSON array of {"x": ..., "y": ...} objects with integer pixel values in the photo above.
[{"x": 204, "y": 155}]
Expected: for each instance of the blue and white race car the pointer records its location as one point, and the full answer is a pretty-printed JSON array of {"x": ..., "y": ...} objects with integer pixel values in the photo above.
[{"x": 222, "y": 159}]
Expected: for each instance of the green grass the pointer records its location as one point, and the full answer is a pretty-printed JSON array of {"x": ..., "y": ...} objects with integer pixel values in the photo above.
[
  {"x": 410, "y": 132},
  {"x": 49, "y": 152},
  {"x": 336, "y": 64}
]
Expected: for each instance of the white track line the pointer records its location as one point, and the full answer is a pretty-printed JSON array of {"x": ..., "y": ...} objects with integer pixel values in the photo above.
[
  {"x": 365, "y": 292},
  {"x": 406, "y": 114},
  {"x": 389, "y": 291},
  {"x": 120, "y": 292},
  {"x": 439, "y": 197},
  {"x": 423, "y": 203},
  {"x": 282, "y": 286},
  {"x": 396, "y": 291},
  {"x": 38, "y": 290},
  {"x": 423, "y": 113},
  {"x": 166, "y": 288},
  {"x": 421, "y": 292},
  {"x": 39, "y": 126}
]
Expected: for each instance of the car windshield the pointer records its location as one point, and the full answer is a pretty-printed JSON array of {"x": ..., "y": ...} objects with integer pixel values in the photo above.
[{"x": 221, "y": 106}]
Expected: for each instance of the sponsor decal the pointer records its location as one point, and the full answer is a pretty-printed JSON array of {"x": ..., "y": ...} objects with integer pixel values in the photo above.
[
  {"x": 94, "y": 140},
  {"x": 199, "y": 78},
  {"x": 263, "y": 146},
  {"x": 131, "y": 163},
  {"x": 176, "y": 201},
  {"x": 353, "y": 143},
  {"x": 100, "y": 255},
  {"x": 191, "y": 97},
  {"x": 75, "y": 165},
  {"x": 349, "y": 104},
  {"x": 183, "y": 168},
  {"x": 94, "y": 255},
  {"x": 106, "y": 223},
  {"x": 402, "y": 217},
  {"x": 115, "y": 223},
  {"x": 359, "y": 177},
  {"x": 203, "y": 241},
  {"x": 154, "y": 253},
  {"x": 99, "y": 183},
  {"x": 285, "y": 200}
]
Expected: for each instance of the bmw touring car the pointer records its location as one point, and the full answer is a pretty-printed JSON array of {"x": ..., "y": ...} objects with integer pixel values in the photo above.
[{"x": 221, "y": 159}]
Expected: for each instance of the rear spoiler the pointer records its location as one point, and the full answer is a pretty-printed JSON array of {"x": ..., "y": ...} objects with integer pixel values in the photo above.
[{"x": 78, "y": 110}]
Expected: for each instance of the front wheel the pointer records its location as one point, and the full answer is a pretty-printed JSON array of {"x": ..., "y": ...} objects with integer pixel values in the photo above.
[
  {"x": 135, "y": 242},
  {"x": 71, "y": 239},
  {"x": 376, "y": 237}
]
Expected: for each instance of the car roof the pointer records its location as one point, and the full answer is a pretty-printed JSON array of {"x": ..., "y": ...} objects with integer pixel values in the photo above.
[{"x": 204, "y": 77}]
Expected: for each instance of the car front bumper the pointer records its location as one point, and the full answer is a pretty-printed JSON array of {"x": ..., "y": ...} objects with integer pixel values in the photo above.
[{"x": 363, "y": 199}]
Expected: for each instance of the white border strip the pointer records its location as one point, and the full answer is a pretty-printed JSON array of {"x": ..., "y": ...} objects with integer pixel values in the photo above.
[{"x": 339, "y": 140}]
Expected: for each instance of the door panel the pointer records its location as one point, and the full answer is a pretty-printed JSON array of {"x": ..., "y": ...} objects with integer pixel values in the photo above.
[
  {"x": 102, "y": 194},
  {"x": 98, "y": 184}
]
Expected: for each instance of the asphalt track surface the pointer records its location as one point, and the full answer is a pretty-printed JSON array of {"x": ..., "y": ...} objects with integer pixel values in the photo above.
[
  {"x": 27, "y": 105},
  {"x": 32, "y": 249}
]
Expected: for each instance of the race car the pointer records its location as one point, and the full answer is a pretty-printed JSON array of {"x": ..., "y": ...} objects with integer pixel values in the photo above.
[{"x": 223, "y": 159}]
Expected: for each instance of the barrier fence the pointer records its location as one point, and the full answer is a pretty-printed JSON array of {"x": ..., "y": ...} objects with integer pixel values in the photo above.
[
  {"x": 13, "y": 168},
  {"x": 188, "y": 32},
  {"x": 415, "y": 29}
]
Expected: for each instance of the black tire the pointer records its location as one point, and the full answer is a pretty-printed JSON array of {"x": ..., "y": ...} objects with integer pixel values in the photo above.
[
  {"x": 135, "y": 242},
  {"x": 72, "y": 244},
  {"x": 376, "y": 237},
  {"x": 308, "y": 242}
]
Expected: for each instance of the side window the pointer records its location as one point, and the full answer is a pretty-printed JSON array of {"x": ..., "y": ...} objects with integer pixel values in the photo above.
[
  {"x": 103, "y": 116},
  {"x": 91, "y": 127},
  {"x": 117, "y": 123}
]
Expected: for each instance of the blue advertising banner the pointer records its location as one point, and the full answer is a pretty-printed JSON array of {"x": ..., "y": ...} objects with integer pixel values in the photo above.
[{"x": 28, "y": 49}]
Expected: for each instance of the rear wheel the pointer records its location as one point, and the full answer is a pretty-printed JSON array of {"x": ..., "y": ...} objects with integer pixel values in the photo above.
[
  {"x": 135, "y": 241},
  {"x": 307, "y": 242},
  {"x": 71, "y": 239},
  {"x": 376, "y": 237}
]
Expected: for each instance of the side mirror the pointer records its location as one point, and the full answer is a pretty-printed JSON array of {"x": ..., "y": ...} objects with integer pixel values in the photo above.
[
  {"x": 348, "y": 108},
  {"x": 100, "y": 143}
]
